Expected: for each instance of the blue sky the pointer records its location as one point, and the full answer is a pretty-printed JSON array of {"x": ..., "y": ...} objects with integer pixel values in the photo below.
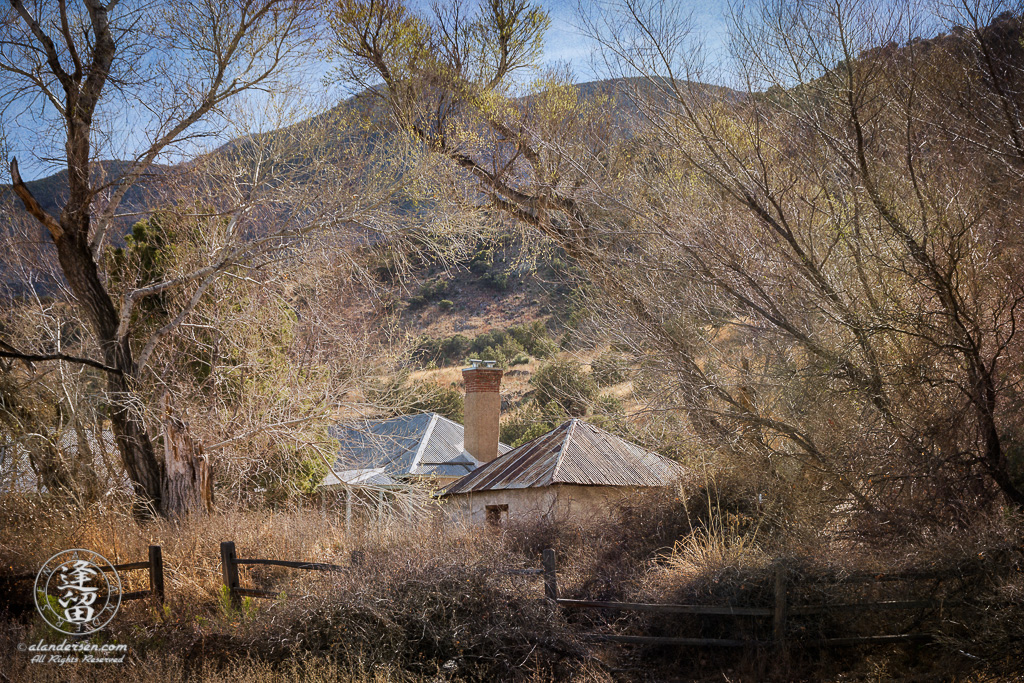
[{"x": 565, "y": 44}]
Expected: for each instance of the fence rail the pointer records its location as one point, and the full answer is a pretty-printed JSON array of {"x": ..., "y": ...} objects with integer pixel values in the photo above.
[
  {"x": 155, "y": 565},
  {"x": 230, "y": 562},
  {"x": 780, "y": 613}
]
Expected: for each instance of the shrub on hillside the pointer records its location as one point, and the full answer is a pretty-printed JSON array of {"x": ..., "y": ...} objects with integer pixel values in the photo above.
[
  {"x": 534, "y": 338},
  {"x": 524, "y": 425},
  {"x": 430, "y": 397},
  {"x": 429, "y": 291},
  {"x": 610, "y": 368},
  {"x": 566, "y": 384},
  {"x": 505, "y": 346}
]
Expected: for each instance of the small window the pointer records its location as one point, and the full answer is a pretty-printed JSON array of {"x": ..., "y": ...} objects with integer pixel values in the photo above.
[{"x": 497, "y": 514}]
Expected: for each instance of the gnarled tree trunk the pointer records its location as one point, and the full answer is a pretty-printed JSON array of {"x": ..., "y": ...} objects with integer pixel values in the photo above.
[{"x": 188, "y": 486}]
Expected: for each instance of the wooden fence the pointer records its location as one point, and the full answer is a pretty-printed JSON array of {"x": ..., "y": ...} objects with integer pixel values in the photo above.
[
  {"x": 780, "y": 613},
  {"x": 155, "y": 565},
  {"x": 230, "y": 561}
]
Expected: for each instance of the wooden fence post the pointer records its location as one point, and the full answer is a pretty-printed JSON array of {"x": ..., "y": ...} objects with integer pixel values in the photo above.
[
  {"x": 550, "y": 578},
  {"x": 230, "y": 570},
  {"x": 156, "y": 572},
  {"x": 779, "y": 630}
]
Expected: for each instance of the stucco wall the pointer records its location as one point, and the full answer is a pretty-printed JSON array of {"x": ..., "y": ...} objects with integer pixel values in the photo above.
[{"x": 562, "y": 502}]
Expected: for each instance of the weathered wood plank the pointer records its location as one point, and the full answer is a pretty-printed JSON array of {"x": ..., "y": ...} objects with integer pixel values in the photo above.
[
  {"x": 156, "y": 572},
  {"x": 523, "y": 572},
  {"x": 229, "y": 569},
  {"x": 135, "y": 595},
  {"x": 866, "y": 640},
  {"x": 781, "y": 607},
  {"x": 721, "y": 610},
  {"x": 128, "y": 566},
  {"x": 550, "y": 574},
  {"x": 318, "y": 566},
  {"x": 869, "y": 577},
  {"x": 669, "y": 640},
  {"x": 890, "y": 604}
]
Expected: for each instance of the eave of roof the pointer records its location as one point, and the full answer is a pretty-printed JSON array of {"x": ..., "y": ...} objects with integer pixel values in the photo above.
[{"x": 575, "y": 452}]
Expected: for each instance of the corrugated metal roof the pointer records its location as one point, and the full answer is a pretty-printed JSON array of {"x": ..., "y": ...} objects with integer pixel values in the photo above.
[
  {"x": 374, "y": 476},
  {"x": 419, "y": 445},
  {"x": 573, "y": 453}
]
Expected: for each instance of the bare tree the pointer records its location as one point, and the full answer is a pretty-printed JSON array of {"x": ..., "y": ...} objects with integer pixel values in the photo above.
[
  {"x": 848, "y": 211},
  {"x": 825, "y": 256},
  {"x": 462, "y": 80},
  {"x": 181, "y": 72}
]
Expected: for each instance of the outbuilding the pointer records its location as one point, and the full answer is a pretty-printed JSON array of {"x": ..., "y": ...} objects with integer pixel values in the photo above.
[{"x": 574, "y": 472}]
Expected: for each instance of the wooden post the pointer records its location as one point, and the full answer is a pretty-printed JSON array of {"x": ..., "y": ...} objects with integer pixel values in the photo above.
[
  {"x": 348, "y": 510},
  {"x": 779, "y": 630},
  {"x": 230, "y": 570},
  {"x": 156, "y": 572},
  {"x": 550, "y": 578}
]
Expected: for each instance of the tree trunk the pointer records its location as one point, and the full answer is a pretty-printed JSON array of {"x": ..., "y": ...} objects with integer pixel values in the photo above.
[
  {"x": 126, "y": 411},
  {"x": 70, "y": 233},
  {"x": 188, "y": 486}
]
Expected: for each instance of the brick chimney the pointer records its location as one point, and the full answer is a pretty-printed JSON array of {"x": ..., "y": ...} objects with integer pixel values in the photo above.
[{"x": 483, "y": 408}]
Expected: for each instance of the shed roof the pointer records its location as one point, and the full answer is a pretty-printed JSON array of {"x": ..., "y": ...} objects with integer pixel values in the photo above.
[
  {"x": 372, "y": 476},
  {"x": 408, "y": 445},
  {"x": 573, "y": 453}
]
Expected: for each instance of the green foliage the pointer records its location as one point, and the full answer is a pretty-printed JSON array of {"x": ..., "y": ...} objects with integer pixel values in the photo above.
[
  {"x": 610, "y": 368},
  {"x": 151, "y": 250},
  {"x": 245, "y": 609},
  {"x": 500, "y": 281},
  {"x": 429, "y": 291},
  {"x": 445, "y": 304},
  {"x": 609, "y": 414},
  {"x": 435, "y": 398},
  {"x": 507, "y": 347},
  {"x": 534, "y": 338},
  {"x": 532, "y": 432},
  {"x": 524, "y": 425},
  {"x": 292, "y": 471},
  {"x": 560, "y": 267},
  {"x": 481, "y": 262},
  {"x": 564, "y": 383},
  {"x": 443, "y": 351}
]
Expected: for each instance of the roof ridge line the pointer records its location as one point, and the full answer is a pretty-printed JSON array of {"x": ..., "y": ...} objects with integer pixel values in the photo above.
[
  {"x": 423, "y": 442},
  {"x": 565, "y": 442}
]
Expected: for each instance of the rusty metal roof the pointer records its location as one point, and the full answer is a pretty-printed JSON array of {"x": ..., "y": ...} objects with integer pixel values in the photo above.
[{"x": 573, "y": 453}]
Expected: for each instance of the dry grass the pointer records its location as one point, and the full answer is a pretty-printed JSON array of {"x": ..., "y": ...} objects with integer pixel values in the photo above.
[{"x": 428, "y": 604}]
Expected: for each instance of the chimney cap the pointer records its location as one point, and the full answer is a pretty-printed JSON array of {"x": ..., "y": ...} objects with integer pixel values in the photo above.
[{"x": 476, "y": 362}]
